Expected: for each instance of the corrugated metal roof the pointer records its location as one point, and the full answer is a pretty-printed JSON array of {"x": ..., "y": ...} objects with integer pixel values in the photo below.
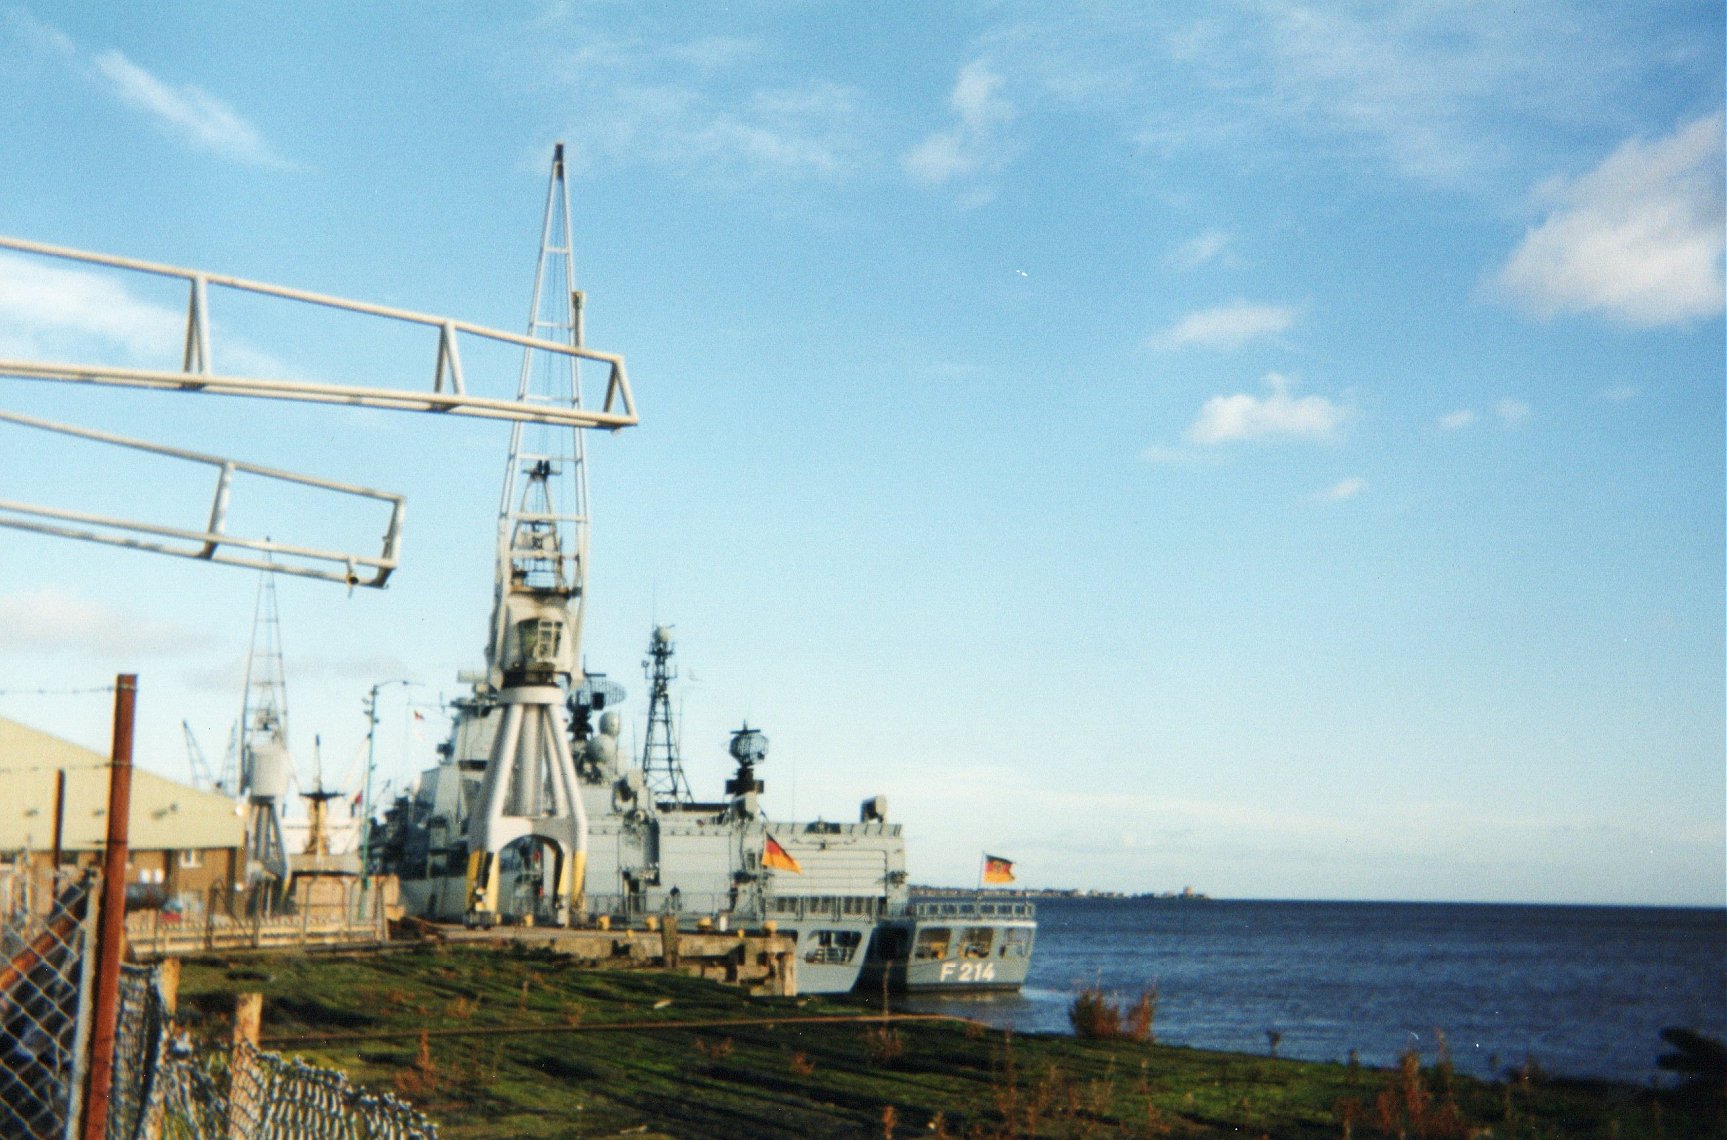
[{"x": 165, "y": 815}]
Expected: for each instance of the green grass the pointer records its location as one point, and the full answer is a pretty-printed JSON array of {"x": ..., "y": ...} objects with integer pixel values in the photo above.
[{"x": 730, "y": 1077}]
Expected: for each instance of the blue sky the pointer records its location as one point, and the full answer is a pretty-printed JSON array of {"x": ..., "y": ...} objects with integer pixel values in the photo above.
[{"x": 1270, "y": 448}]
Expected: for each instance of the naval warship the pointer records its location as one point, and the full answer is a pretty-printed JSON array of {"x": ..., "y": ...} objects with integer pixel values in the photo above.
[{"x": 839, "y": 889}]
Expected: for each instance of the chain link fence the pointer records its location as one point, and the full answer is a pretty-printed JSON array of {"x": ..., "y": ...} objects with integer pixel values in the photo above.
[
  {"x": 263, "y": 1096},
  {"x": 45, "y": 938},
  {"x": 163, "y": 1085}
]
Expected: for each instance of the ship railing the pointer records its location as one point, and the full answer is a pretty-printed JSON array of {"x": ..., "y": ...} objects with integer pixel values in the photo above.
[
  {"x": 692, "y": 906},
  {"x": 836, "y": 907},
  {"x": 974, "y": 908}
]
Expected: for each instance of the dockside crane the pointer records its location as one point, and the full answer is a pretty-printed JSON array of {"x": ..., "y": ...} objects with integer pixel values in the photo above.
[
  {"x": 531, "y": 786},
  {"x": 266, "y": 765}
]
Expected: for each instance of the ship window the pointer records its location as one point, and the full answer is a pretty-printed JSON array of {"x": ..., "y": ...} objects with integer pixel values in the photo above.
[
  {"x": 932, "y": 942},
  {"x": 834, "y": 947},
  {"x": 976, "y": 942},
  {"x": 191, "y": 857},
  {"x": 539, "y": 640},
  {"x": 1016, "y": 942}
]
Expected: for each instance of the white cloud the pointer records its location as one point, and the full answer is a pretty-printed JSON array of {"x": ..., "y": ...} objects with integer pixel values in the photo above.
[
  {"x": 1241, "y": 417},
  {"x": 1200, "y": 250},
  {"x": 1620, "y": 393},
  {"x": 974, "y": 144},
  {"x": 704, "y": 109},
  {"x": 1225, "y": 326},
  {"x": 1432, "y": 92},
  {"x": 50, "y": 310},
  {"x": 54, "y": 621},
  {"x": 1512, "y": 413},
  {"x": 188, "y": 112},
  {"x": 1341, "y": 490},
  {"x": 39, "y": 38},
  {"x": 1638, "y": 239},
  {"x": 1461, "y": 418}
]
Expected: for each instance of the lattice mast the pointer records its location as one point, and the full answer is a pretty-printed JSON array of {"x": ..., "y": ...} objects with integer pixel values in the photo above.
[
  {"x": 531, "y": 786},
  {"x": 662, "y": 763},
  {"x": 264, "y": 763}
]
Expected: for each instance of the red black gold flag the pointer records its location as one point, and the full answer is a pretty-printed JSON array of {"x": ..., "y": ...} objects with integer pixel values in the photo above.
[
  {"x": 997, "y": 870},
  {"x": 777, "y": 857}
]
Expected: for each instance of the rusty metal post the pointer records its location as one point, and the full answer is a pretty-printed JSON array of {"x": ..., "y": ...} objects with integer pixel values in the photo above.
[
  {"x": 59, "y": 815},
  {"x": 111, "y": 932}
]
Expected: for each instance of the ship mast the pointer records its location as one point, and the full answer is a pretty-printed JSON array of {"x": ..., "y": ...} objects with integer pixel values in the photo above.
[
  {"x": 531, "y": 787},
  {"x": 662, "y": 766}
]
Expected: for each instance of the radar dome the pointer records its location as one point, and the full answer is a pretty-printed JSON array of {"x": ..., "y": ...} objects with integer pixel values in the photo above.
[
  {"x": 602, "y": 750},
  {"x": 612, "y": 725},
  {"x": 662, "y": 635}
]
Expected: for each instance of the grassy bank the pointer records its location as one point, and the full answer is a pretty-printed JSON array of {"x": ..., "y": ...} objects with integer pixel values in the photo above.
[{"x": 517, "y": 1043}]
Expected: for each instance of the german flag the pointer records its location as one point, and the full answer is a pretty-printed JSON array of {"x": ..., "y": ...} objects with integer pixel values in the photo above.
[
  {"x": 777, "y": 857},
  {"x": 997, "y": 870}
]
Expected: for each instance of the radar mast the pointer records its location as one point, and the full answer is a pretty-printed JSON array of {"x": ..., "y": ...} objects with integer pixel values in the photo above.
[{"x": 662, "y": 766}]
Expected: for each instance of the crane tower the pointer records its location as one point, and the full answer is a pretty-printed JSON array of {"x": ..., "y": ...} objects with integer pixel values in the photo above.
[
  {"x": 265, "y": 765},
  {"x": 530, "y": 787}
]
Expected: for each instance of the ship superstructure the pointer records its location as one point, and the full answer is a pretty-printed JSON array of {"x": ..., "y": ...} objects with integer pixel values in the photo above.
[{"x": 839, "y": 888}]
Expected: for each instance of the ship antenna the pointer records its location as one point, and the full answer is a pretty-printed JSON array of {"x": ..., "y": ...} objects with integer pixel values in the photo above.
[{"x": 662, "y": 763}]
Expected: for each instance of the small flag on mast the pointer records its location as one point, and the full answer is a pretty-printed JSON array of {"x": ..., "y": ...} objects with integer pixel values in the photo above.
[
  {"x": 777, "y": 857},
  {"x": 997, "y": 870}
]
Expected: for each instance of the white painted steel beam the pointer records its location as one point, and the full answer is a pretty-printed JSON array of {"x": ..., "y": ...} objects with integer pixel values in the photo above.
[
  {"x": 617, "y": 410},
  {"x": 213, "y": 543}
]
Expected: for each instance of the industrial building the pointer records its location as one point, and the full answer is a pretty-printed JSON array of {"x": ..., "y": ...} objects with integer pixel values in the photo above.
[{"x": 184, "y": 843}]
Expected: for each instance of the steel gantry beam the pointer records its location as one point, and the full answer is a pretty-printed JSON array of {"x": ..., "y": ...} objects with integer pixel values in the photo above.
[
  {"x": 197, "y": 374},
  {"x": 213, "y": 543}
]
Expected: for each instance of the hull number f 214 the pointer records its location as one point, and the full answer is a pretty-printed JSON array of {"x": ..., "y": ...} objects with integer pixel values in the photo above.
[{"x": 968, "y": 971}]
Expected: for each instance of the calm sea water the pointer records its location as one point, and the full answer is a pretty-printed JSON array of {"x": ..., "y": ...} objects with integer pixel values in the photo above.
[{"x": 1583, "y": 991}]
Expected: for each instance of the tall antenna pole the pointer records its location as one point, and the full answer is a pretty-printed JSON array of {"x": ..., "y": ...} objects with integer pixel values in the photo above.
[{"x": 662, "y": 765}]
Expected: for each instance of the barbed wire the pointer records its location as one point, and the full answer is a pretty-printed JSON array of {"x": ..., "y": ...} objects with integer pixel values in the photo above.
[{"x": 54, "y": 692}]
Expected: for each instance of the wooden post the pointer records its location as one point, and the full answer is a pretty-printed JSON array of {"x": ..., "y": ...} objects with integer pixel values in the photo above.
[
  {"x": 168, "y": 980},
  {"x": 242, "y": 1087},
  {"x": 168, "y": 984},
  {"x": 111, "y": 919},
  {"x": 669, "y": 945},
  {"x": 248, "y": 1017}
]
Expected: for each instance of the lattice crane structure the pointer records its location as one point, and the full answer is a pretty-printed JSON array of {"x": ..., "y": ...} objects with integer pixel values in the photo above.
[
  {"x": 531, "y": 785},
  {"x": 266, "y": 765}
]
